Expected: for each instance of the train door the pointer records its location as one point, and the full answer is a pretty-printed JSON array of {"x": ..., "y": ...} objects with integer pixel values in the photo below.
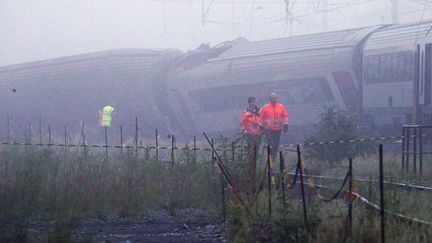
[
  {"x": 427, "y": 74},
  {"x": 425, "y": 69}
]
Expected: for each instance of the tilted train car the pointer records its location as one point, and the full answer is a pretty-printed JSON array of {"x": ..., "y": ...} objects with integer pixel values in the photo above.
[
  {"x": 397, "y": 67},
  {"x": 382, "y": 74},
  {"x": 70, "y": 90},
  {"x": 306, "y": 71}
]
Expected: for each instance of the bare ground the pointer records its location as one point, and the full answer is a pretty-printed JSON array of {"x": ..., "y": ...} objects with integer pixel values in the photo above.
[{"x": 187, "y": 225}]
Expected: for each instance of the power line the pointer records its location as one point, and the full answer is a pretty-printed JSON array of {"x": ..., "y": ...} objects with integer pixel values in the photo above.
[{"x": 421, "y": 20}]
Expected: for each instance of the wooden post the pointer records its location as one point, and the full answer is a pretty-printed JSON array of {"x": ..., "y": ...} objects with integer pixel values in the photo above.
[
  {"x": 403, "y": 148},
  {"x": 65, "y": 142},
  {"x": 302, "y": 188},
  {"x": 269, "y": 158},
  {"x": 415, "y": 150},
  {"x": 40, "y": 132},
  {"x": 49, "y": 138},
  {"x": 233, "y": 151},
  {"x": 157, "y": 144},
  {"x": 212, "y": 153},
  {"x": 254, "y": 167},
  {"x": 8, "y": 128},
  {"x": 136, "y": 136},
  {"x": 30, "y": 133},
  {"x": 83, "y": 137},
  {"x": 121, "y": 140},
  {"x": 381, "y": 175},
  {"x": 351, "y": 180},
  {"x": 421, "y": 150},
  {"x": 222, "y": 181},
  {"x": 172, "y": 151},
  {"x": 407, "y": 150},
  {"x": 194, "y": 149},
  {"x": 282, "y": 178},
  {"x": 106, "y": 142}
]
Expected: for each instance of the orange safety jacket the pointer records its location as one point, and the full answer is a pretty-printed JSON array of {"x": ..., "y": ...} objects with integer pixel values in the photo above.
[
  {"x": 249, "y": 123},
  {"x": 273, "y": 117}
]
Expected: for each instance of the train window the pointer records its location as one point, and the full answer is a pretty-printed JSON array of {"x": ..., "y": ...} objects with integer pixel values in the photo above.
[
  {"x": 409, "y": 66},
  {"x": 391, "y": 67},
  {"x": 401, "y": 66},
  {"x": 234, "y": 97}
]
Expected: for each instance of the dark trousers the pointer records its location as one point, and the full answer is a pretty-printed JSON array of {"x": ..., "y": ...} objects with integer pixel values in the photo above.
[
  {"x": 273, "y": 138},
  {"x": 254, "y": 144}
]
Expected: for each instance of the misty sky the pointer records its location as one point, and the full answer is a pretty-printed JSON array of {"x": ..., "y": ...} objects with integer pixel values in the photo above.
[{"x": 40, "y": 29}]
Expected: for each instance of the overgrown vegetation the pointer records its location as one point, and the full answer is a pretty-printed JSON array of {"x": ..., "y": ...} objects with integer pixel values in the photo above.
[
  {"x": 37, "y": 183},
  {"x": 336, "y": 125}
]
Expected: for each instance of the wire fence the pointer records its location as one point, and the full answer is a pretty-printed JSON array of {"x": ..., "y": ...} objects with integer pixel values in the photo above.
[{"x": 280, "y": 182}]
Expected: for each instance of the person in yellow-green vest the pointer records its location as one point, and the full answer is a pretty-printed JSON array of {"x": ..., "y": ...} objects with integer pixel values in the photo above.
[{"x": 106, "y": 116}]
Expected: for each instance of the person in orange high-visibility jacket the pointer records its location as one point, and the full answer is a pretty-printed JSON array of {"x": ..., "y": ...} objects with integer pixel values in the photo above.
[
  {"x": 273, "y": 119},
  {"x": 249, "y": 122}
]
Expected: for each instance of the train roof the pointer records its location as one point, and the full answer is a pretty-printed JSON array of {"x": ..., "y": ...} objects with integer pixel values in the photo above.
[
  {"x": 399, "y": 35},
  {"x": 127, "y": 59},
  {"x": 317, "y": 41}
]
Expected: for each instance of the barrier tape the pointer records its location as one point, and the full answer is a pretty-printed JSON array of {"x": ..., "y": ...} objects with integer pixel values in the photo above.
[
  {"x": 397, "y": 215},
  {"x": 284, "y": 146},
  {"x": 397, "y": 184},
  {"x": 349, "y": 141}
]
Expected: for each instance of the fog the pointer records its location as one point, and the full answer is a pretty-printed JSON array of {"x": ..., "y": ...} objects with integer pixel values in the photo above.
[{"x": 43, "y": 29}]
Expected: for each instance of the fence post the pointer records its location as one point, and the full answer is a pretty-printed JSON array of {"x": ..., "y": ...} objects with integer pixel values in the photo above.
[
  {"x": 84, "y": 138},
  {"x": 30, "y": 133},
  {"x": 381, "y": 176},
  {"x": 65, "y": 141},
  {"x": 8, "y": 128},
  {"x": 172, "y": 151},
  {"x": 223, "y": 198},
  {"x": 421, "y": 150},
  {"x": 194, "y": 149},
  {"x": 121, "y": 140},
  {"x": 269, "y": 165},
  {"x": 351, "y": 180},
  {"x": 407, "y": 150},
  {"x": 157, "y": 144},
  {"x": 300, "y": 165},
  {"x": 403, "y": 148},
  {"x": 40, "y": 132},
  {"x": 254, "y": 167},
  {"x": 233, "y": 151},
  {"x": 282, "y": 177},
  {"x": 136, "y": 136},
  {"x": 106, "y": 143},
  {"x": 212, "y": 152},
  {"x": 415, "y": 151},
  {"x": 49, "y": 138}
]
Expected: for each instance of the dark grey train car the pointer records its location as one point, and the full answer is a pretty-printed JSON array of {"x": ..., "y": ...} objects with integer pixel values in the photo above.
[
  {"x": 307, "y": 71},
  {"x": 67, "y": 91},
  {"x": 397, "y": 77}
]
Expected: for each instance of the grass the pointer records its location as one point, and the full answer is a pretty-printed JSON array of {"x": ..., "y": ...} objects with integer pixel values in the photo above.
[{"x": 50, "y": 185}]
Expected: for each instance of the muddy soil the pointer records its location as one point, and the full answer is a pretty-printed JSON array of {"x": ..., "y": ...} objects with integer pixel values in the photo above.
[{"x": 187, "y": 225}]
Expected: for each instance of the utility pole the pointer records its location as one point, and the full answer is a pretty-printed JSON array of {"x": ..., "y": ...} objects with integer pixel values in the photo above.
[
  {"x": 232, "y": 18},
  {"x": 202, "y": 12},
  {"x": 324, "y": 15},
  {"x": 164, "y": 17},
  {"x": 395, "y": 11},
  {"x": 288, "y": 18}
]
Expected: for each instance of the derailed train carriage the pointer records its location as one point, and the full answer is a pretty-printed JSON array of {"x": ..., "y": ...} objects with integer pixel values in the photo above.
[
  {"x": 70, "y": 90},
  {"x": 382, "y": 74}
]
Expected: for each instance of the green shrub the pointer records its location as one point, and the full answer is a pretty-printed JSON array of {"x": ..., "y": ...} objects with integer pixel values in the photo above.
[{"x": 336, "y": 125}]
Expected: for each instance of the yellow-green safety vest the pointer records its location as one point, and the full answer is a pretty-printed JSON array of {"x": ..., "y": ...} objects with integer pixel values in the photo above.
[{"x": 106, "y": 115}]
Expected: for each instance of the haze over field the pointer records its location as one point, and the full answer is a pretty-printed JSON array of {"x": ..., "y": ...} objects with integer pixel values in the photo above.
[{"x": 42, "y": 29}]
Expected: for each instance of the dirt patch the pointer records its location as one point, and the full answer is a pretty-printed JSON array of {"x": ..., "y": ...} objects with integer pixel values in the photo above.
[{"x": 188, "y": 225}]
